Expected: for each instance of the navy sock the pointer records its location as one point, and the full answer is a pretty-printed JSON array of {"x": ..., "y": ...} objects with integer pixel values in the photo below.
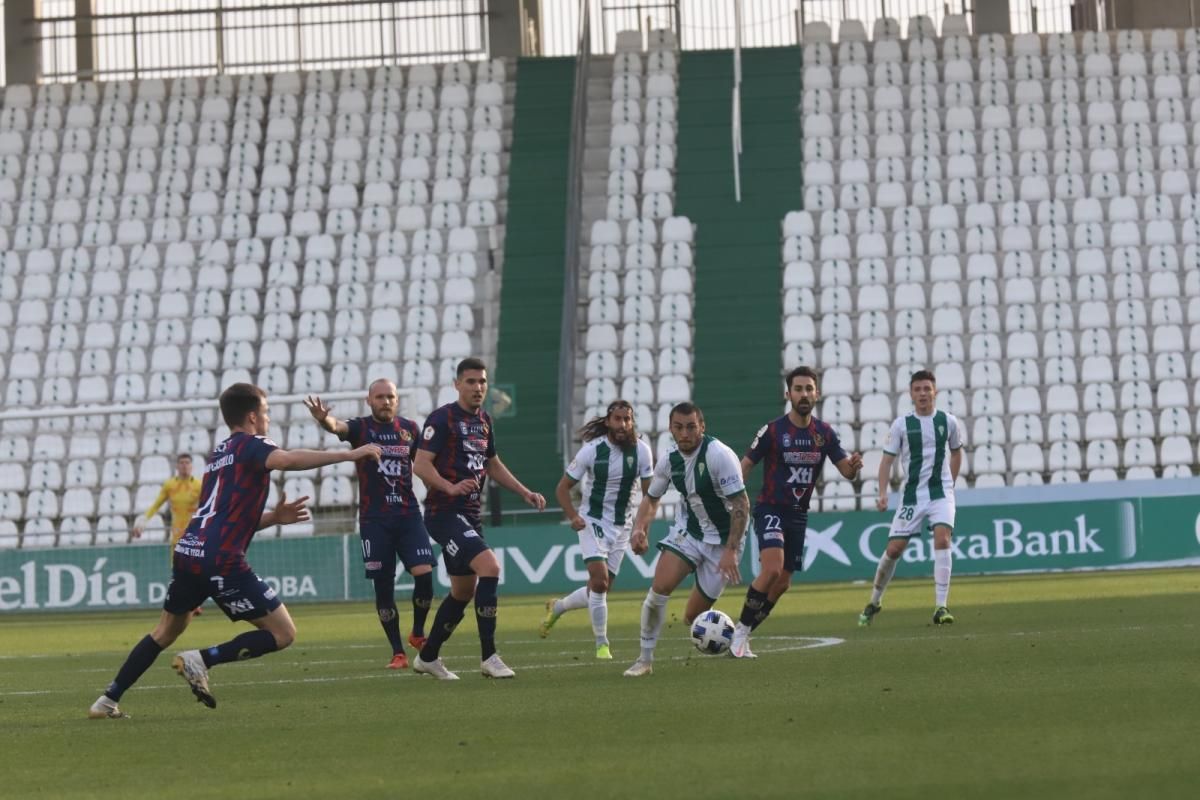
[
  {"x": 752, "y": 611},
  {"x": 422, "y": 601},
  {"x": 485, "y": 615},
  {"x": 385, "y": 606},
  {"x": 136, "y": 663},
  {"x": 761, "y": 617},
  {"x": 449, "y": 614},
  {"x": 250, "y": 644}
]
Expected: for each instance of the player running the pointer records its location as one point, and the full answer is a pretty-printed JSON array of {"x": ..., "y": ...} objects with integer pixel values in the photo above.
[
  {"x": 210, "y": 559},
  {"x": 921, "y": 438},
  {"x": 793, "y": 450},
  {"x": 456, "y": 457},
  {"x": 389, "y": 517},
  {"x": 611, "y": 462},
  {"x": 710, "y": 527}
]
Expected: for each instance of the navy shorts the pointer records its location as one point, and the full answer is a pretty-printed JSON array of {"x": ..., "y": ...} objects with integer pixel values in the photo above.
[
  {"x": 388, "y": 538},
  {"x": 242, "y": 595},
  {"x": 782, "y": 526},
  {"x": 461, "y": 539}
]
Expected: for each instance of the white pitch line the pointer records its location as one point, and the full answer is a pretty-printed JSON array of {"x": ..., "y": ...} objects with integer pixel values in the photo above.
[{"x": 802, "y": 643}]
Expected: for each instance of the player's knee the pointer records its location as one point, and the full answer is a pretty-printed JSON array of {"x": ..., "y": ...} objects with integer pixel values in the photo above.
[
  {"x": 895, "y": 547},
  {"x": 598, "y": 585},
  {"x": 770, "y": 574},
  {"x": 284, "y": 637}
]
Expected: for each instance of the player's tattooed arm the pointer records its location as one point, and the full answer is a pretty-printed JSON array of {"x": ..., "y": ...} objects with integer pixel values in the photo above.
[
  {"x": 739, "y": 520},
  {"x": 562, "y": 493},
  {"x": 321, "y": 413}
]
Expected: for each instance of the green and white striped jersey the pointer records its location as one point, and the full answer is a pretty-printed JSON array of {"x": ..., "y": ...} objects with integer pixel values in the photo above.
[
  {"x": 922, "y": 444},
  {"x": 704, "y": 478},
  {"x": 610, "y": 478}
]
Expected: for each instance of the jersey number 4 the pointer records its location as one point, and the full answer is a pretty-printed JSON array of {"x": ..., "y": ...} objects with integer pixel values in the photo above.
[{"x": 209, "y": 509}]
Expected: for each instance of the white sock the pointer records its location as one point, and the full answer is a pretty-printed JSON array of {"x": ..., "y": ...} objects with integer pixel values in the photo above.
[
  {"x": 883, "y": 576},
  {"x": 654, "y": 615},
  {"x": 598, "y": 608},
  {"x": 576, "y": 599},
  {"x": 942, "y": 560}
]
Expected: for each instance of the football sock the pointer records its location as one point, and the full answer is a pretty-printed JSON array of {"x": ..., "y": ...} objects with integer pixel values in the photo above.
[
  {"x": 762, "y": 615},
  {"x": 422, "y": 601},
  {"x": 654, "y": 615},
  {"x": 942, "y": 560},
  {"x": 136, "y": 663},
  {"x": 385, "y": 606},
  {"x": 598, "y": 608},
  {"x": 752, "y": 610},
  {"x": 576, "y": 599},
  {"x": 485, "y": 615},
  {"x": 250, "y": 644},
  {"x": 449, "y": 614},
  {"x": 883, "y": 576}
]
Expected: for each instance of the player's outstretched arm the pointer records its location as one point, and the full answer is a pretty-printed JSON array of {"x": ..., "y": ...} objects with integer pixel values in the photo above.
[
  {"x": 285, "y": 513},
  {"x": 739, "y": 520},
  {"x": 562, "y": 493},
  {"x": 501, "y": 475},
  {"x": 885, "y": 481},
  {"x": 321, "y": 413},
  {"x": 311, "y": 459},
  {"x": 850, "y": 466}
]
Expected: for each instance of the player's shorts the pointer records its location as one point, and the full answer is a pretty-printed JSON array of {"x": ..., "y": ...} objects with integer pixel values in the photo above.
[
  {"x": 387, "y": 538},
  {"x": 461, "y": 539},
  {"x": 704, "y": 559},
  {"x": 782, "y": 526},
  {"x": 912, "y": 520},
  {"x": 600, "y": 541},
  {"x": 242, "y": 595}
]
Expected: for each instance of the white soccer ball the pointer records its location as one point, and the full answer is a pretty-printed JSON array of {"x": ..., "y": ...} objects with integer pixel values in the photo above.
[{"x": 712, "y": 632}]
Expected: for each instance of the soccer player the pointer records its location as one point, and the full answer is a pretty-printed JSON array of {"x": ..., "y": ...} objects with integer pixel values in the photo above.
[
  {"x": 613, "y": 460},
  {"x": 210, "y": 559},
  {"x": 793, "y": 450},
  {"x": 709, "y": 531},
  {"x": 930, "y": 442},
  {"x": 389, "y": 517},
  {"x": 183, "y": 491},
  {"x": 456, "y": 457}
]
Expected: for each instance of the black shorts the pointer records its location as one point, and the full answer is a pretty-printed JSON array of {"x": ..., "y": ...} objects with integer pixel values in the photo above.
[
  {"x": 461, "y": 539},
  {"x": 242, "y": 595},
  {"x": 782, "y": 526},
  {"x": 388, "y": 538}
]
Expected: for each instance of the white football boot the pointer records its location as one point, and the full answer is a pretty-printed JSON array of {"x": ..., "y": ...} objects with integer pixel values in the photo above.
[
  {"x": 190, "y": 667},
  {"x": 106, "y": 708},
  {"x": 493, "y": 667},
  {"x": 740, "y": 647},
  {"x": 435, "y": 668},
  {"x": 639, "y": 669}
]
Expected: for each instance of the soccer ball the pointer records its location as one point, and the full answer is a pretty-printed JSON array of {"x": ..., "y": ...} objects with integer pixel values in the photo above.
[{"x": 712, "y": 632}]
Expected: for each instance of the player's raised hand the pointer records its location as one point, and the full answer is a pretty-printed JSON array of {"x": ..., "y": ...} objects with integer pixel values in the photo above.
[
  {"x": 317, "y": 408},
  {"x": 372, "y": 451},
  {"x": 296, "y": 511},
  {"x": 639, "y": 542},
  {"x": 856, "y": 462},
  {"x": 729, "y": 567},
  {"x": 882, "y": 502},
  {"x": 537, "y": 501},
  {"x": 463, "y": 488}
]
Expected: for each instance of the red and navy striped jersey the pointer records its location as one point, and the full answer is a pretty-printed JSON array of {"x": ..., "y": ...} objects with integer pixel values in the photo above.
[
  {"x": 792, "y": 459},
  {"x": 385, "y": 488},
  {"x": 232, "y": 497},
  {"x": 461, "y": 443}
]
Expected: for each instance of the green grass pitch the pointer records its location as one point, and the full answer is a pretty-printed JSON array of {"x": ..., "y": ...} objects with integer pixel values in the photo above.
[{"x": 1063, "y": 686}]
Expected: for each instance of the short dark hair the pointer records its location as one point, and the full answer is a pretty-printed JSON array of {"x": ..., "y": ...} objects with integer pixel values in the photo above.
[
  {"x": 686, "y": 409},
  {"x": 184, "y": 457},
  {"x": 239, "y": 401},
  {"x": 467, "y": 364},
  {"x": 922, "y": 375},
  {"x": 802, "y": 372}
]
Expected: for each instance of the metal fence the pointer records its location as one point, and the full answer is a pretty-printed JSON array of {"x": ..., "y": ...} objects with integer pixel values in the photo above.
[{"x": 139, "y": 39}]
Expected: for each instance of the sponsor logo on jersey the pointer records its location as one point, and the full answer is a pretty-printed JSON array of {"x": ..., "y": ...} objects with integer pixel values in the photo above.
[
  {"x": 700, "y": 468},
  {"x": 818, "y": 440},
  {"x": 801, "y": 457},
  {"x": 406, "y": 436},
  {"x": 428, "y": 433},
  {"x": 373, "y": 565}
]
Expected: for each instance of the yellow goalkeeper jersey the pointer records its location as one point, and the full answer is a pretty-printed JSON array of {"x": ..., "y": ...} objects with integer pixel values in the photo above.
[{"x": 184, "y": 496}]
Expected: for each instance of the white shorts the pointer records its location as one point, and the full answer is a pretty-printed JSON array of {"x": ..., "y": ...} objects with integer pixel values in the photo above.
[
  {"x": 912, "y": 520},
  {"x": 705, "y": 560},
  {"x": 600, "y": 541}
]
